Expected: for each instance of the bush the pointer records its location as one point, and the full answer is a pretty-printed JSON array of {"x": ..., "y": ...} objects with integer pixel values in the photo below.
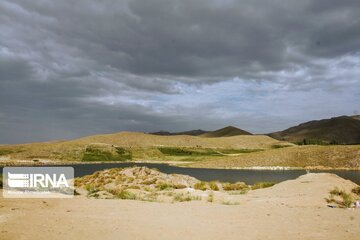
[
  {"x": 200, "y": 186},
  {"x": 234, "y": 186},
  {"x": 124, "y": 194},
  {"x": 213, "y": 186},
  {"x": 259, "y": 185}
]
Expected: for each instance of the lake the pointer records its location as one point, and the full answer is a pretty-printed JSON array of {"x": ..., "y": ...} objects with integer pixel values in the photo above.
[{"x": 224, "y": 175}]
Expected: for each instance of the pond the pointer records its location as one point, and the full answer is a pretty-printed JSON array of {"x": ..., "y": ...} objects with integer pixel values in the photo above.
[{"x": 224, "y": 175}]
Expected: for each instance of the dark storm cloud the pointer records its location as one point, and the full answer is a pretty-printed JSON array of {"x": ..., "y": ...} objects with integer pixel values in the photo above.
[{"x": 89, "y": 66}]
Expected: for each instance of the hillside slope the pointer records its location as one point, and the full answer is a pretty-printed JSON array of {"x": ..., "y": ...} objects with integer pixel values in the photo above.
[
  {"x": 340, "y": 130},
  {"x": 135, "y": 146},
  {"x": 225, "y": 132}
]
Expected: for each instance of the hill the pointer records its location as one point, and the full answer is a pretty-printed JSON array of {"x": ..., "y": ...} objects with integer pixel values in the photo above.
[
  {"x": 225, "y": 132},
  {"x": 190, "y": 133},
  {"x": 125, "y": 146},
  {"x": 337, "y": 130}
]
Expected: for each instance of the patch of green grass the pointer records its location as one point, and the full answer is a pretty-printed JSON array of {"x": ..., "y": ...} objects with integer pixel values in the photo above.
[
  {"x": 276, "y": 146},
  {"x": 175, "y": 151},
  {"x": 91, "y": 189},
  {"x": 259, "y": 185},
  {"x": 124, "y": 194},
  {"x": 94, "y": 154}
]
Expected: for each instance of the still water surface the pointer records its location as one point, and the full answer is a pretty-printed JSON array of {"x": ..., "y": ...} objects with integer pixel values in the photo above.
[{"x": 224, "y": 175}]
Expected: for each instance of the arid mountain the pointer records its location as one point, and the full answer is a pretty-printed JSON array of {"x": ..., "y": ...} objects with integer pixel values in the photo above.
[
  {"x": 190, "y": 133},
  {"x": 337, "y": 130},
  {"x": 226, "y": 132}
]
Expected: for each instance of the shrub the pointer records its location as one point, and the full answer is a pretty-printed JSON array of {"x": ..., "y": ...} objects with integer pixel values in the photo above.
[
  {"x": 234, "y": 186},
  {"x": 210, "y": 197},
  {"x": 213, "y": 186},
  {"x": 200, "y": 186},
  {"x": 124, "y": 194},
  {"x": 262, "y": 185}
]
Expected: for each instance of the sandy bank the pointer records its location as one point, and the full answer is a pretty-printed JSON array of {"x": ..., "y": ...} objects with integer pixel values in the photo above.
[{"x": 293, "y": 209}]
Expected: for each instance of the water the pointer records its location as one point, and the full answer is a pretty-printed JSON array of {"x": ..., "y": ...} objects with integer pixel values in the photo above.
[{"x": 224, "y": 175}]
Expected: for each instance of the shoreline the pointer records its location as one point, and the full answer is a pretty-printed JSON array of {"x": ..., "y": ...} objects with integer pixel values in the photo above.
[{"x": 179, "y": 164}]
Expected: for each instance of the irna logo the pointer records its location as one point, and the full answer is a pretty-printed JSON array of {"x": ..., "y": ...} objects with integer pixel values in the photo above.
[
  {"x": 19, "y": 180},
  {"x": 35, "y": 182}
]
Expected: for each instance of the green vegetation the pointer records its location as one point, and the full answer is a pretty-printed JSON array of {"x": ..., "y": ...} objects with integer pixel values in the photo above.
[
  {"x": 98, "y": 154},
  {"x": 235, "y": 186},
  {"x": 200, "y": 186},
  {"x": 346, "y": 198},
  {"x": 164, "y": 186},
  {"x": 124, "y": 194},
  {"x": 198, "y": 152},
  {"x": 214, "y": 186},
  {"x": 276, "y": 146},
  {"x": 311, "y": 141},
  {"x": 259, "y": 185},
  {"x": 174, "y": 151}
]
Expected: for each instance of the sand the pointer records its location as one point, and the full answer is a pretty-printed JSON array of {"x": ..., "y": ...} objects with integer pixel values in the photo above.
[{"x": 290, "y": 210}]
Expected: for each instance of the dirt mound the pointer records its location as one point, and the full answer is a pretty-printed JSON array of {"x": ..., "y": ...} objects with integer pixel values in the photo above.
[
  {"x": 307, "y": 190},
  {"x": 147, "y": 184}
]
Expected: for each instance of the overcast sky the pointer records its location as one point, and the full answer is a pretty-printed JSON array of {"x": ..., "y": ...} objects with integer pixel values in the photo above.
[{"x": 74, "y": 68}]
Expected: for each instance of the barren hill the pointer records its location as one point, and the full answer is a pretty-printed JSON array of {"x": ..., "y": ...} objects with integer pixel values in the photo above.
[
  {"x": 226, "y": 132},
  {"x": 136, "y": 146},
  {"x": 338, "y": 130}
]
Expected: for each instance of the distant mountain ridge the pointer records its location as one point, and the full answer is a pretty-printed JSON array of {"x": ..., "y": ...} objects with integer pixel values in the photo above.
[
  {"x": 226, "y": 132},
  {"x": 337, "y": 130}
]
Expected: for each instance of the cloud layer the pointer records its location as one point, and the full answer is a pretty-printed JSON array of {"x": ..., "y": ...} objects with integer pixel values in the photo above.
[{"x": 69, "y": 68}]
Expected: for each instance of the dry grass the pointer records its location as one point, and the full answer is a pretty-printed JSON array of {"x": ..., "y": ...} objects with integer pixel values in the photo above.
[
  {"x": 346, "y": 199},
  {"x": 297, "y": 156}
]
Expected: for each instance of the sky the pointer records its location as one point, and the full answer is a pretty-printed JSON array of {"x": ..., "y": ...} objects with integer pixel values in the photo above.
[{"x": 75, "y": 68}]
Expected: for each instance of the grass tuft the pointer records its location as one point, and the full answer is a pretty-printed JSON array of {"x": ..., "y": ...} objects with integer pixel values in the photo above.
[{"x": 259, "y": 185}]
